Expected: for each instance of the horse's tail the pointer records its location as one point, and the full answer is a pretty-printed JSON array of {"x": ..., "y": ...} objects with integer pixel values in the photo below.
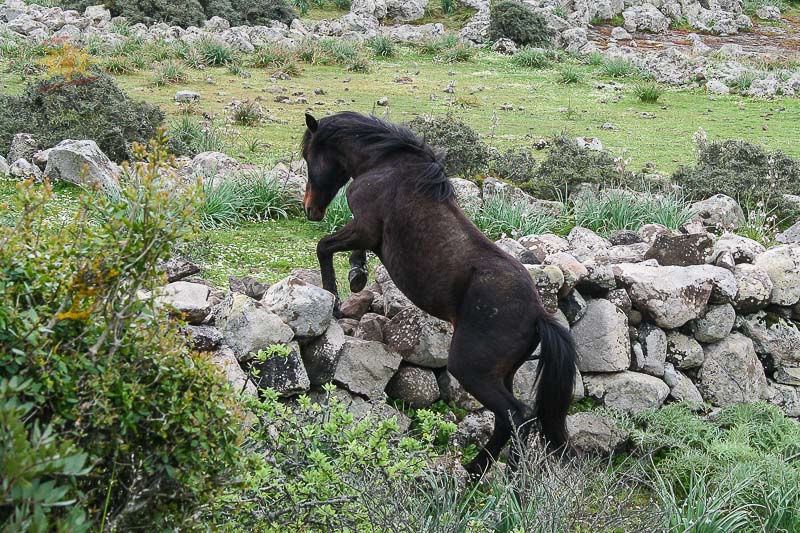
[{"x": 555, "y": 378}]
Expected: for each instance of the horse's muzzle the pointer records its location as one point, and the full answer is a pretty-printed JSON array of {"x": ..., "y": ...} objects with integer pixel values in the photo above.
[{"x": 313, "y": 213}]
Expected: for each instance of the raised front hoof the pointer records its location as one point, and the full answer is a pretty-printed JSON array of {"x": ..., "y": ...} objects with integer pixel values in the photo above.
[{"x": 358, "y": 279}]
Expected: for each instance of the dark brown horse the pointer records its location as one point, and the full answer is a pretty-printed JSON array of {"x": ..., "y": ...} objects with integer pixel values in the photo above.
[{"x": 405, "y": 212}]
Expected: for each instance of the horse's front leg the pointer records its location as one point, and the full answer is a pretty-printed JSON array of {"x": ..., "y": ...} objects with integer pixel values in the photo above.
[
  {"x": 358, "y": 270},
  {"x": 346, "y": 238}
]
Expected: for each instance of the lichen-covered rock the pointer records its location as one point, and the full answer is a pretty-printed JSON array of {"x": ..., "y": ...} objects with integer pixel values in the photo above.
[
  {"x": 782, "y": 265},
  {"x": 731, "y": 372},
  {"x": 517, "y": 251},
  {"x": 654, "y": 350},
  {"x": 420, "y": 338},
  {"x": 754, "y": 288},
  {"x": 306, "y": 308},
  {"x": 548, "y": 280},
  {"x": 365, "y": 367},
  {"x": 774, "y": 337},
  {"x": 585, "y": 244},
  {"x": 786, "y": 397},
  {"x": 23, "y": 146},
  {"x": 414, "y": 385},
  {"x": 452, "y": 392},
  {"x": 248, "y": 326},
  {"x": 225, "y": 359},
  {"x": 680, "y": 250},
  {"x": 321, "y": 355},
  {"x": 742, "y": 249},
  {"x": 25, "y": 170},
  {"x": 672, "y": 296},
  {"x": 203, "y": 338},
  {"x": 176, "y": 268},
  {"x": 573, "y": 305},
  {"x": 684, "y": 390},
  {"x": 213, "y": 165},
  {"x": 789, "y": 236},
  {"x": 601, "y": 338},
  {"x": 572, "y": 269},
  {"x": 189, "y": 300},
  {"x": 81, "y": 163},
  {"x": 645, "y": 17},
  {"x": 475, "y": 429},
  {"x": 394, "y": 300},
  {"x": 543, "y": 245},
  {"x": 715, "y": 325},
  {"x": 468, "y": 194},
  {"x": 684, "y": 351},
  {"x": 719, "y": 212},
  {"x": 630, "y": 392},
  {"x": 599, "y": 278},
  {"x": 285, "y": 374},
  {"x": 591, "y": 433}
]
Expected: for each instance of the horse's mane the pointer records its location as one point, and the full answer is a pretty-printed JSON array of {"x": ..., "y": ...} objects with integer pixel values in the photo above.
[{"x": 380, "y": 139}]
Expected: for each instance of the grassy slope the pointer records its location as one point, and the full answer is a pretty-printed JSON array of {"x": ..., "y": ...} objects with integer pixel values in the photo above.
[
  {"x": 270, "y": 250},
  {"x": 483, "y": 85}
]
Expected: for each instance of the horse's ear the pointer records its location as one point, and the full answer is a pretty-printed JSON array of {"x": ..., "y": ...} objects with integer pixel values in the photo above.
[{"x": 311, "y": 122}]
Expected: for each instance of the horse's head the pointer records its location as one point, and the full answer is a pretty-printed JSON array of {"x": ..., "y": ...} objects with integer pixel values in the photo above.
[{"x": 326, "y": 174}]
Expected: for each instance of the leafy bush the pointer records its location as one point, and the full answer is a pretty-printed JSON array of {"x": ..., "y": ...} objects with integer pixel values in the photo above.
[
  {"x": 466, "y": 153},
  {"x": 517, "y": 166},
  {"x": 741, "y": 168},
  {"x": 215, "y": 53},
  {"x": 457, "y": 54},
  {"x": 516, "y": 21},
  {"x": 107, "y": 368},
  {"x": 195, "y": 12},
  {"x": 36, "y": 463},
  {"x": 317, "y": 468},
  {"x": 87, "y": 107},
  {"x": 567, "y": 165}
]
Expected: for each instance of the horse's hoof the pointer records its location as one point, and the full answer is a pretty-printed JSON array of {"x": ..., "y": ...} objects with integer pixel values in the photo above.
[{"x": 358, "y": 279}]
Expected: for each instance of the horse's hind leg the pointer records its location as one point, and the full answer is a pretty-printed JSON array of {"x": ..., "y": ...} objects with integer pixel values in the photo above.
[
  {"x": 358, "y": 270},
  {"x": 474, "y": 362}
]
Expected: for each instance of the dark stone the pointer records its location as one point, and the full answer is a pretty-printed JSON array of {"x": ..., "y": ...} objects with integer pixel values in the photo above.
[
  {"x": 624, "y": 237},
  {"x": 357, "y": 304},
  {"x": 681, "y": 250},
  {"x": 370, "y": 328},
  {"x": 349, "y": 326},
  {"x": 178, "y": 268},
  {"x": 203, "y": 338},
  {"x": 248, "y": 286}
]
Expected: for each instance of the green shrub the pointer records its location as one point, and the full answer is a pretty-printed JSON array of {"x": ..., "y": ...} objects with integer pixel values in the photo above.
[
  {"x": 315, "y": 467},
  {"x": 247, "y": 113},
  {"x": 190, "y": 136},
  {"x": 502, "y": 215},
  {"x": 169, "y": 72},
  {"x": 531, "y": 57},
  {"x": 620, "y": 209},
  {"x": 276, "y": 58},
  {"x": 109, "y": 369},
  {"x": 569, "y": 75},
  {"x": 382, "y": 46},
  {"x": 466, "y": 152},
  {"x": 215, "y": 53},
  {"x": 647, "y": 92},
  {"x": 254, "y": 196},
  {"x": 517, "y": 166},
  {"x": 263, "y": 12},
  {"x": 618, "y": 67},
  {"x": 741, "y": 168},
  {"x": 516, "y": 21},
  {"x": 86, "y": 107},
  {"x": 180, "y": 13},
  {"x": 457, "y": 54},
  {"x": 119, "y": 65},
  {"x": 567, "y": 165},
  {"x": 34, "y": 488}
]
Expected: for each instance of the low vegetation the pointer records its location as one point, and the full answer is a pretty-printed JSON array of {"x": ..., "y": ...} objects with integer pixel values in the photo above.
[{"x": 513, "y": 20}]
